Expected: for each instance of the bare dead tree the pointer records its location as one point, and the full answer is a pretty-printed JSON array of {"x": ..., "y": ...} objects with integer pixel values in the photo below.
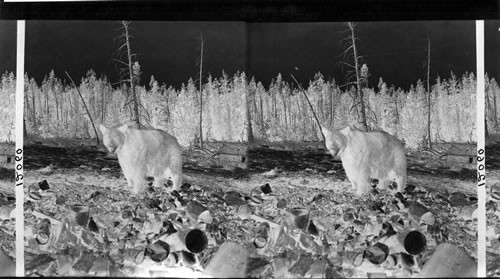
[
  {"x": 352, "y": 51},
  {"x": 125, "y": 49},
  {"x": 429, "y": 144}
]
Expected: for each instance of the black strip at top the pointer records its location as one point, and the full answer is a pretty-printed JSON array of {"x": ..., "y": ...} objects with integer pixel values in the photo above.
[{"x": 255, "y": 10}]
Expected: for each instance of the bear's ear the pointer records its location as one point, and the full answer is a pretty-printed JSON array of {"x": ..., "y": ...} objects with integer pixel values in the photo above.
[
  {"x": 328, "y": 135},
  {"x": 102, "y": 128},
  {"x": 123, "y": 128},
  {"x": 325, "y": 131}
]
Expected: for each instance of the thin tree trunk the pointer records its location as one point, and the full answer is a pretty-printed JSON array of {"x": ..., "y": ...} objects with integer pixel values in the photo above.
[
  {"x": 102, "y": 104},
  {"x": 249, "y": 116},
  {"x": 131, "y": 74},
  {"x": 274, "y": 106},
  {"x": 57, "y": 107},
  {"x": 332, "y": 111},
  {"x": 47, "y": 104},
  {"x": 86, "y": 108},
  {"x": 27, "y": 108},
  {"x": 33, "y": 108},
  {"x": 488, "y": 109},
  {"x": 25, "y": 132},
  {"x": 429, "y": 144},
  {"x": 261, "y": 112},
  {"x": 201, "y": 92},
  {"x": 358, "y": 81},
  {"x": 255, "y": 112},
  {"x": 495, "y": 109}
]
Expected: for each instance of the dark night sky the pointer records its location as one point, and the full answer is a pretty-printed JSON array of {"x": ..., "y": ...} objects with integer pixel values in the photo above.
[{"x": 395, "y": 51}]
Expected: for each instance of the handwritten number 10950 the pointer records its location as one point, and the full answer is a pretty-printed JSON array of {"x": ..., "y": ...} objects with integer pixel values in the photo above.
[{"x": 19, "y": 167}]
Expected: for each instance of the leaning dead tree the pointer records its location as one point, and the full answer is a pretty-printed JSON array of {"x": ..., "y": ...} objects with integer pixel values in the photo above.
[
  {"x": 86, "y": 108},
  {"x": 130, "y": 70},
  {"x": 351, "y": 51},
  {"x": 320, "y": 125}
]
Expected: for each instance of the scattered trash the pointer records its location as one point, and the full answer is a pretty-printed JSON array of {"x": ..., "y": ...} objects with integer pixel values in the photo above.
[
  {"x": 421, "y": 214},
  {"x": 43, "y": 231},
  {"x": 290, "y": 229},
  {"x": 43, "y": 185},
  {"x": 270, "y": 174},
  {"x": 266, "y": 188},
  {"x": 495, "y": 191},
  {"x": 158, "y": 251},
  {"x": 6, "y": 211},
  {"x": 377, "y": 253}
]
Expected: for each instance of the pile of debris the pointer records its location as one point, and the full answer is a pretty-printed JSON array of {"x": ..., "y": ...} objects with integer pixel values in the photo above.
[
  {"x": 493, "y": 230},
  {"x": 201, "y": 231},
  {"x": 7, "y": 233}
]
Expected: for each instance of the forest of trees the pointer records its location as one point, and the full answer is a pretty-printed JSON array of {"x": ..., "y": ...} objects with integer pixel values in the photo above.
[
  {"x": 7, "y": 108},
  {"x": 54, "y": 109}
]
